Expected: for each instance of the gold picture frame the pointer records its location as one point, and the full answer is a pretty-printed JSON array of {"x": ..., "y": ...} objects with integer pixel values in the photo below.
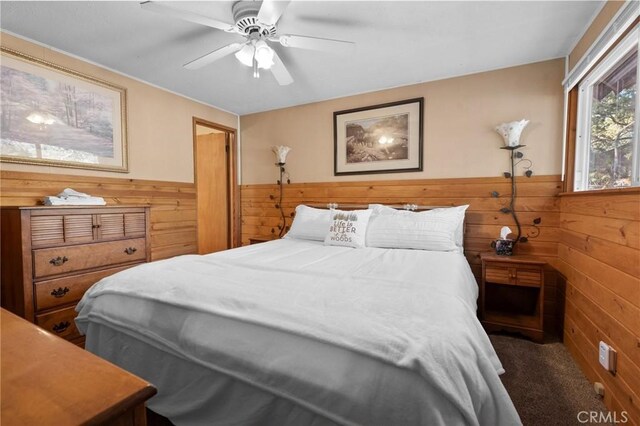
[{"x": 55, "y": 116}]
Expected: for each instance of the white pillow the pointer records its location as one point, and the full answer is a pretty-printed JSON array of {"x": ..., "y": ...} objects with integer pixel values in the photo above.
[
  {"x": 438, "y": 229},
  {"x": 348, "y": 228},
  {"x": 309, "y": 223}
]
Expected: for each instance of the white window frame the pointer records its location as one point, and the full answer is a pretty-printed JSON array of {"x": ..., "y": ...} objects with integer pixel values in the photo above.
[{"x": 583, "y": 128}]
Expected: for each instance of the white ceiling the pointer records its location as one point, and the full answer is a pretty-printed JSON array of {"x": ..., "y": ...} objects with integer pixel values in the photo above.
[{"x": 397, "y": 43}]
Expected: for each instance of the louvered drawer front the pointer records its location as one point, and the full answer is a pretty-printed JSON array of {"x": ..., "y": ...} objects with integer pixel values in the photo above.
[
  {"x": 78, "y": 228},
  {"x": 61, "y": 323},
  {"x": 47, "y": 230},
  {"x": 135, "y": 224},
  {"x": 61, "y": 260},
  {"x": 529, "y": 278},
  {"x": 110, "y": 226},
  {"x": 61, "y": 291},
  {"x": 499, "y": 275}
]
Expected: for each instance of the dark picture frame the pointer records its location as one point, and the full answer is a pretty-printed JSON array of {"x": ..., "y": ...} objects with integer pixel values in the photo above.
[{"x": 384, "y": 138}]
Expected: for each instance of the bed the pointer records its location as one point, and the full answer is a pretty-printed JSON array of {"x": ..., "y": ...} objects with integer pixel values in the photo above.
[{"x": 294, "y": 332}]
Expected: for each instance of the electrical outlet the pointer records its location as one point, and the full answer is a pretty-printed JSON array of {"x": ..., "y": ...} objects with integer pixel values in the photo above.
[{"x": 607, "y": 357}]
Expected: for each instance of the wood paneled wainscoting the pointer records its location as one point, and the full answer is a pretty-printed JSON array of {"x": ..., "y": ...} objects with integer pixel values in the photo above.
[
  {"x": 599, "y": 254},
  {"x": 173, "y": 204},
  {"x": 537, "y": 198}
]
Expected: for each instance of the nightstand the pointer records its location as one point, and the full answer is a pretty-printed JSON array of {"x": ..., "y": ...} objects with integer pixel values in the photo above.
[
  {"x": 262, "y": 239},
  {"x": 512, "y": 294}
]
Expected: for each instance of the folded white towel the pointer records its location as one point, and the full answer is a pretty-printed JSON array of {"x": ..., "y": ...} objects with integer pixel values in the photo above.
[
  {"x": 74, "y": 201},
  {"x": 71, "y": 197},
  {"x": 68, "y": 193}
]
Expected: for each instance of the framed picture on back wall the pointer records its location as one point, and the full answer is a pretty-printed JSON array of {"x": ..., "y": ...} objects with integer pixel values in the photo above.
[
  {"x": 385, "y": 138},
  {"x": 54, "y": 116}
]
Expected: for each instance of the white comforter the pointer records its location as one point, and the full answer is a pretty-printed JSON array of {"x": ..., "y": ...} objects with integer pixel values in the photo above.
[{"x": 356, "y": 336}]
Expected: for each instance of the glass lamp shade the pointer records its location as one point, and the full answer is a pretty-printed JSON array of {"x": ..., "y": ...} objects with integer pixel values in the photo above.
[
  {"x": 264, "y": 55},
  {"x": 245, "y": 55},
  {"x": 511, "y": 132},
  {"x": 281, "y": 152}
]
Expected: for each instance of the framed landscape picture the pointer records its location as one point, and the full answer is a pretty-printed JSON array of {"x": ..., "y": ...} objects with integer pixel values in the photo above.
[
  {"x": 383, "y": 138},
  {"x": 58, "y": 117}
]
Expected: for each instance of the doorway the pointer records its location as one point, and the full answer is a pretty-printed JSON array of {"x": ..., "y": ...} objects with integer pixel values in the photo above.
[{"x": 214, "y": 158}]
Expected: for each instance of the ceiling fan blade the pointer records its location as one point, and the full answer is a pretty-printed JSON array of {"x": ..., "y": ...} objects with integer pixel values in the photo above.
[
  {"x": 187, "y": 16},
  {"x": 213, "y": 56},
  {"x": 315, "y": 43},
  {"x": 280, "y": 71},
  {"x": 271, "y": 10}
]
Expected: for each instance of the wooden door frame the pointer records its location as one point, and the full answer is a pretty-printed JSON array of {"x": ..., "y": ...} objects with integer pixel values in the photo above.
[{"x": 233, "y": 190}]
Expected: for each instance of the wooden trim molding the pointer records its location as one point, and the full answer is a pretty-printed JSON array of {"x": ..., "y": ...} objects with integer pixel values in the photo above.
[{"x": 234, "y": 189}]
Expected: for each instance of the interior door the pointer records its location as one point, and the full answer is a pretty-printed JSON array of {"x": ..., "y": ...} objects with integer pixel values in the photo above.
[{"x": 212, "y": 187}]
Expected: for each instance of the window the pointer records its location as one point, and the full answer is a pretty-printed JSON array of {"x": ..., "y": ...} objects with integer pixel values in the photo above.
[{"x": 607, "y": 154}]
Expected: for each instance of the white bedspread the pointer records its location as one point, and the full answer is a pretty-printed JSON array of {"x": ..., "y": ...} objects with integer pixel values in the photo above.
[{"x": 357, "y": 336}]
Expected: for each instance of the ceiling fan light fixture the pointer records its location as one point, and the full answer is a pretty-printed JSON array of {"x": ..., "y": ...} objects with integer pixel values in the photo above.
[
  {"x": 245, "y": 55},
  {"x": 264, "y": 55}
]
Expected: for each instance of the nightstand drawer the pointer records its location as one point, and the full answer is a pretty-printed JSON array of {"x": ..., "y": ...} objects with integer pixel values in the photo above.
[
  {"x": 513, "y": 276},
  {"x": 500, "y": 275},
  {"x": 529, "y": 278}
]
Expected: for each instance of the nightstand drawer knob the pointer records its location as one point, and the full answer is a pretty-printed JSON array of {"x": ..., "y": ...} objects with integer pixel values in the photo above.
[
  {"x": 58, "y": 261},
  {"x": 60, "y": 292},
  {"x": 130, "y": 250},
  {"x": 59, "y": 328}
]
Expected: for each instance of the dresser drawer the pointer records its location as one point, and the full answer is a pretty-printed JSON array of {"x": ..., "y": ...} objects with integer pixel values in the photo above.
[
  {"x": 61, "y": 323},
  {"x": 62, "y": 260},
  {"x": 61, "y": 291}
]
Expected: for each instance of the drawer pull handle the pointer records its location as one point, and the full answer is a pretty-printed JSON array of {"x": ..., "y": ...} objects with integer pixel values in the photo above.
[
  {"x": 130, "y": 250},
  {"x": 59, "y": 328},
  {"x": 60, "y": 292},
  {"x": 58, "y": 261}
]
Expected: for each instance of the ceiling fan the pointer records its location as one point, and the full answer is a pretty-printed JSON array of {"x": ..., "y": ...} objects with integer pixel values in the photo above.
[{"x": 257, "y": 23}]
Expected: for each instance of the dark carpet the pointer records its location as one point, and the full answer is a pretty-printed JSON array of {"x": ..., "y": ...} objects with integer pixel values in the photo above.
[{"x": 545, "y": 384}]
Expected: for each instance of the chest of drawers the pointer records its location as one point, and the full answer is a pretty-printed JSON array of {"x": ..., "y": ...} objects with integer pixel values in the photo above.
[{"x": 52, "y": 255}]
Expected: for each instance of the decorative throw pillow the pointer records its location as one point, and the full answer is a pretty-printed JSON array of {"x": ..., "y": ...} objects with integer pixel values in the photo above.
[
  {"x": 438, "y": 229},
  {"x": 309, "y": 223},
  {"x": 348, "y": 228}
]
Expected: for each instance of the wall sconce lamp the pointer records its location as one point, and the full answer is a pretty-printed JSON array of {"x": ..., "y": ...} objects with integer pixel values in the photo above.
[
  {"x": 281, "y": 152},
  {"x": 511, "y": 133}
]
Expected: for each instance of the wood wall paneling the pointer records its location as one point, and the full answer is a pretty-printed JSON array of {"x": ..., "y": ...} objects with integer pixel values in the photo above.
[
  {"x": 593, "y": 240},
  {"x": 599, "y": 254},
  {"x": 173, "y": 204},
  {"x": 537, "y": 197}
]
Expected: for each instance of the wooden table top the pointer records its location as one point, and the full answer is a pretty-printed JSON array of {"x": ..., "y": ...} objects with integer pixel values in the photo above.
[
  {"x": 491, "y": 256},
  {"x": 46, "y": 380}
]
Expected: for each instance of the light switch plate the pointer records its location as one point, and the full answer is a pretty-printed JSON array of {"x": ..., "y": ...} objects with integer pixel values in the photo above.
[{"x": 607, "y": 357}]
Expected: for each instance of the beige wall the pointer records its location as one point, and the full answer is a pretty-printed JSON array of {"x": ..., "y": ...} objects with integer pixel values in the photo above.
[
  {"x": 459, "y": 140},
  {"x": 599, "y": 23},
  {"x": 159, "y": 123}
]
